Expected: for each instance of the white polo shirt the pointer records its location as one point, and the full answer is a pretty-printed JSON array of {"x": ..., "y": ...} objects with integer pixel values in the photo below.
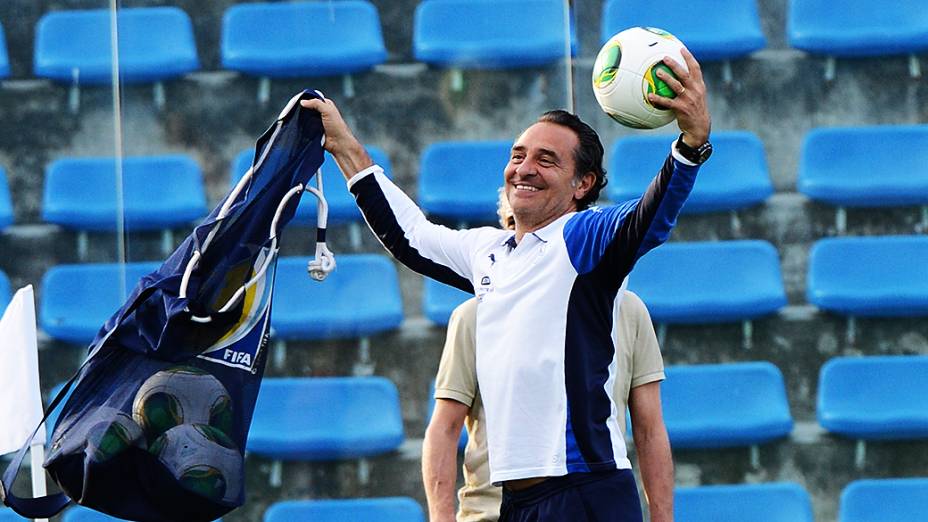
[{"x": 545, "y": 357}]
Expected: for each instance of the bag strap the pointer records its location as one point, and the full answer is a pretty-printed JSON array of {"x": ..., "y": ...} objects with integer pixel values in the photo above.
[{"x": 324, "y": 261}]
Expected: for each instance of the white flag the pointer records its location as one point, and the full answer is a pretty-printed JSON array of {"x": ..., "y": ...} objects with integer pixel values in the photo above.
[{"x": 20, "y": 397}]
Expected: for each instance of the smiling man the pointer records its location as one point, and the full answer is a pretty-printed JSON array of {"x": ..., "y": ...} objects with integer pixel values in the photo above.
[{"x": 546, "y": 361}]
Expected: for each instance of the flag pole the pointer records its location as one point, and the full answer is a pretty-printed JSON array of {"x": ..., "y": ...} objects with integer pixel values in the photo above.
[{"x": 37, "y": 456}]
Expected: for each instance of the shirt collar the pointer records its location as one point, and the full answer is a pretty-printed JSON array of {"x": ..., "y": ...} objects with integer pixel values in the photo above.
[{"x": 543, "y": 234}]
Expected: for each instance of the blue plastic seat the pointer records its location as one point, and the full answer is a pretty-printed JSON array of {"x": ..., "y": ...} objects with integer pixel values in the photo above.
[
  {"x": 775, "y": 502},
  {"x": 361, "y": 298},
  {"x": 4, "y": 58},
  {"x": 293, "y": 39},
  {"x": 6, "y": 203},
  {"x": 8, "y": 515},
  {"x": 342, "y": 207},
  {"x": 875, "y": 397},
  {"x": 725, "y": 405},
  {"x": 77, "y": 299},
  {"x": 460, "y": 179},
  {"x": 884, "y": 500},
  {"x": 155, "y": 43},
  {"x": 858, "y": 28},
  {"x": 392, "y": 509},
  {"x": 439, "y": 300},
  {"x": 5, "y": 292},
  {"x": 727, "y": 28},
  {"x": 326, "y": 418},
  {"x": 883, "y": 276},
  {"x": 736, "y": 177},
  {"x": 710, "y": 282},
  {"x": 866, "y": 166},
  {"x": 158, "y": 192},
  {"x": 490, "y": 34}
]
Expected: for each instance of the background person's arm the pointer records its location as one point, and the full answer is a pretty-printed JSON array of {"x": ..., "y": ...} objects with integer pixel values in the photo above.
[
  {"x": 653, "y": 448},
  {"x": 439, "y": 458}
]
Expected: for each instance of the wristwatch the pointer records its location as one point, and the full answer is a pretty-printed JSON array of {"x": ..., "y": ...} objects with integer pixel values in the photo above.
[{"x": 699, "y": 155}]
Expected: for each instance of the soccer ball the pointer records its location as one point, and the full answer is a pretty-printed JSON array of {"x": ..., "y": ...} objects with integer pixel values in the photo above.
[
  {"x": 115, "y": 433},
  {"x": 203, "y": 460},
  {"x": 102, "y": 434},
  {"x": 624, "y": 75},
  {"x": 181, "y": 395}
]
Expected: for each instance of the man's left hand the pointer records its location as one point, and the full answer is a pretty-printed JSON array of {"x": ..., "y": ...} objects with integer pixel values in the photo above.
[{"x": 690, "y": 103}]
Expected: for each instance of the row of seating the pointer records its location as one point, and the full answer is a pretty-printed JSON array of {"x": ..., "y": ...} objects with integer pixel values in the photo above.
[
  {"x": 682, "y": 283},
  {"x": 872, "y": 398},
  {"x": 705, "y": 406},
  {"x": 867, "y": 500},
  {"x": 844, "y": 167},
  {"x": 334, "y": 38}
]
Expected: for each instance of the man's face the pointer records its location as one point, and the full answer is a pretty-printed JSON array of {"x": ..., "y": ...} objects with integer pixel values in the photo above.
[{"x": 540, "y": 175}]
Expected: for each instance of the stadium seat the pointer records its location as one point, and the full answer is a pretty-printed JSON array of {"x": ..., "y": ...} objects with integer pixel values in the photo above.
[
  {"x": 875, "y": 397},
  {"x": 858, "y": 28},
  {"x": 710, "y": 282},
  {"x": 158, "y": 192},
  {"x": 459, "y": 180},
  {"x": 7, "y": 515},
  {"x": 155, "y": 44},
  {"x": 884, "y": 500},
  {"x": 5, "y": 292},
  {"x": 870, "y": 276},
  {"x": 736, "y": 177},
  {"x": 361, "y": 298},
  {"x": 725, "y": 405},
  {"x": 77, "y": 299},
  {"x": 297, "y": 39},
  {"x": 462, "y": 441},
  {"x": 302, "y": 39},
  {"x": 326, "y": 418},
  {"x": 877, "y": 166},
  {"x": 775, "y": 502},
  {"x": 727, "y": 29},
  {"x": 439, "y": 300},
  {"x": 342, "y": 207},
  {"x": 490, "y": 34},
  {"x": 4, "y": 59},
  {"x": 395, "y": 509},
  {"x": 6, "y": 203}
]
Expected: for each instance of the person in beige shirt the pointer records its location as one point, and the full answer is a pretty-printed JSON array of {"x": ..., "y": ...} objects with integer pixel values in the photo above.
[{"x": 640, "y": 370}]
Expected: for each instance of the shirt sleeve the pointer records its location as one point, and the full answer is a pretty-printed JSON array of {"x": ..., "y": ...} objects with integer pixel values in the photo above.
[
  {"x": 457, "y": 371},
  {"x": 647, "y": 364},
  {"x": 619, "y": 235},
  {"x": 429, "y": 249}
]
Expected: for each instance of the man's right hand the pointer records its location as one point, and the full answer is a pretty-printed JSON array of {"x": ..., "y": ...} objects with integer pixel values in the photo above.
[{"x": 348, "y": 152}]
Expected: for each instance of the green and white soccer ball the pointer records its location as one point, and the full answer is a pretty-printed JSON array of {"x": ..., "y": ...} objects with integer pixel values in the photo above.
[
  {"x": 624, "y": 75},
  {"x": 181, "y": 395},
  {"x": 108, "y": 433},
  {"x": 203, "y": 460}
]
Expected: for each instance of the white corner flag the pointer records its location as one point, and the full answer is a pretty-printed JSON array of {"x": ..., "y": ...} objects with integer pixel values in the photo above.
[
  {"x": 21, "y": 404},
  {"x": 21, "y": 408}
]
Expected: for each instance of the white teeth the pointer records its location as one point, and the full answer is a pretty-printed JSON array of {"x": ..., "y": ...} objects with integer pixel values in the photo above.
[{"x": 526, "y": 187}]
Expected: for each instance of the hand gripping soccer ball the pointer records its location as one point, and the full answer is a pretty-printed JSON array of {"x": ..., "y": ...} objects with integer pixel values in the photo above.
[
  {"x": 203, "y": 460},
  {"x": 181, "y": 395},
  {"x": 624, "y": 74}
]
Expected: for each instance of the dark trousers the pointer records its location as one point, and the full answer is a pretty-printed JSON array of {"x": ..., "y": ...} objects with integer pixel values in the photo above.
[{"x": 606, "y": 496}]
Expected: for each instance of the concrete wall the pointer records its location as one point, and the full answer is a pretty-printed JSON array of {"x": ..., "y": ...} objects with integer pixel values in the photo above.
[{"x": 402, "y": 107}]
